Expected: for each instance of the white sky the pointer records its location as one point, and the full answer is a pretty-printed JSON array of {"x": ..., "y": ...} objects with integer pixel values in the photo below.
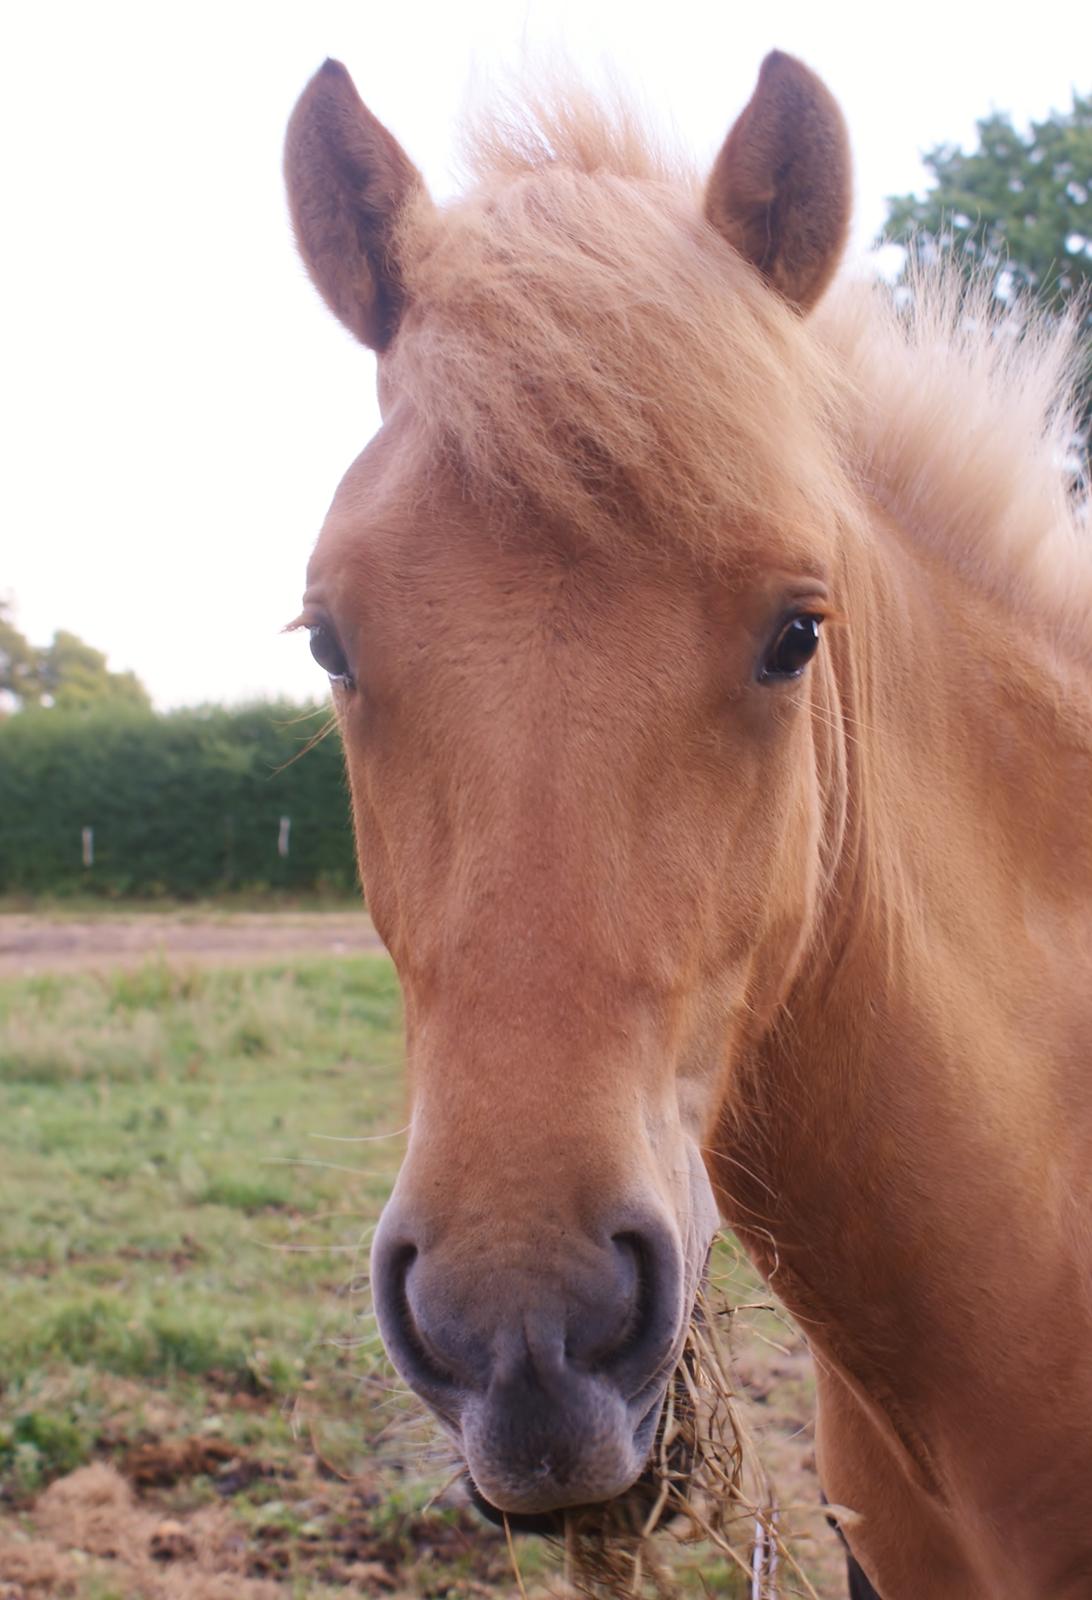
[{"x": 179, "y": 405}]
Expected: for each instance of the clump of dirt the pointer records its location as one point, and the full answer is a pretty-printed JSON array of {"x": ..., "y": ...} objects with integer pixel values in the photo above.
[
  {"x": 91, "y": 1509},
  {"x": 168, "y": 1461}
]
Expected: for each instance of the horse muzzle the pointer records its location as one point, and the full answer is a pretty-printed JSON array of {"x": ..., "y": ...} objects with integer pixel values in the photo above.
[{"x": 550, "y": 1374}]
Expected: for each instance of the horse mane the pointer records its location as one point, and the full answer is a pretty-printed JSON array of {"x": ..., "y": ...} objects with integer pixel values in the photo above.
[
  {"x": 581, "y": 345},
  {"x": 964, "y": 422}
]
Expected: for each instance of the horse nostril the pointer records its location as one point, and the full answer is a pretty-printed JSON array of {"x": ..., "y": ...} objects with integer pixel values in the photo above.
[
  {"x": 631, "y": 1247},
  {"x": 629, "y": 1328},
  {"x": 406, "y": 1343},
  {"x": 398, "y": 1267}
]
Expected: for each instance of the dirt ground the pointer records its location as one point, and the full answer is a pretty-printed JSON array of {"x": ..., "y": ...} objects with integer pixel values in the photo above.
[
  {"x": 31, "y": 944},
  {"x": 126, "y": 1529},
  {"x": 129, "y": 1531}
]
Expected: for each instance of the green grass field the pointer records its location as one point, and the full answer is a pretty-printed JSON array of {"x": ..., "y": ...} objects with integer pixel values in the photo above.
[
  {"x": 184, "y": 1235},
  {"x": 194, "y": 1404}
]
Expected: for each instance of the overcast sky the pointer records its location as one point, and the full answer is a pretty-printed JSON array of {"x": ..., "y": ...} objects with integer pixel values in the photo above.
[{"x": 179, "y": 405}]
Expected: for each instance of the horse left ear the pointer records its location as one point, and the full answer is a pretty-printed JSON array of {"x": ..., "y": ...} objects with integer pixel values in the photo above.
[{"x": 780, "y": 189}]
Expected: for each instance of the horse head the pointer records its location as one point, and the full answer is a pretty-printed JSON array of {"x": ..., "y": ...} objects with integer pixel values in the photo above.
[{"x": 571, "y": 599}]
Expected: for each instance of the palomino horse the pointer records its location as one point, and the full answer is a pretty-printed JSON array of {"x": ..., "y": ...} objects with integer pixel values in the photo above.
[{"x": 713, "y": 669}]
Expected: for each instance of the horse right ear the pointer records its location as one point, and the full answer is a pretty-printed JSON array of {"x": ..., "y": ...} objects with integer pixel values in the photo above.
[{"x": 348, "y": 182}]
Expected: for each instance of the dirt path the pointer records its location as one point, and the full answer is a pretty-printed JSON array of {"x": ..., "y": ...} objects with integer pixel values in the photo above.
[{"x": 31, "y": 944}]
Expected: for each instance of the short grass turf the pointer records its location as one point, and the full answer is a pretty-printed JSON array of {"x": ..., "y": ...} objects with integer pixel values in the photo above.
[
  {"x": 191, "y": 1163},
  {"x": 184, "y": 1225}
]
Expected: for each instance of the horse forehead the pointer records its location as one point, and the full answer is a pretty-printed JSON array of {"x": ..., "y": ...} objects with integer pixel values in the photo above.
[
  {"x": 406, "y": 549},
  {"x": 399, "y": 534}
]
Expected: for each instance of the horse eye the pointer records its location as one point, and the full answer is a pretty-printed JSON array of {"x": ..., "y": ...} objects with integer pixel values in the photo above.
[
  {"x": 792, "y": 649},
  {"x": 327, "y": 651}
]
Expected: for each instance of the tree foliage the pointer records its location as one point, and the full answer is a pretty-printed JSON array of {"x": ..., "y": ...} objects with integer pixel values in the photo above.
[
  {"x": 18, "y": 661},
  {"x": 1018, "y": 208},
  {"x": 66, "y": 673}
]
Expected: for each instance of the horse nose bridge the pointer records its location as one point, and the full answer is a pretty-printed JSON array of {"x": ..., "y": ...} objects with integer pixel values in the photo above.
[
  {"x": 523, "y": 1141},
  {"x": 554, "y": 917}
]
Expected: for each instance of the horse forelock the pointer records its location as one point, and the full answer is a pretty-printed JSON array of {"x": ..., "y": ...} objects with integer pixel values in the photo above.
[{"x": 591, "y": 358}]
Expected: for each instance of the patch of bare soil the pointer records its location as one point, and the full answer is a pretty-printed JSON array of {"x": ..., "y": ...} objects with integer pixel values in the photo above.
[
  {"x": 132, "y": 1530},
  {"x": 91, "y": 1522},
  {"x": 31, "y": 944}
]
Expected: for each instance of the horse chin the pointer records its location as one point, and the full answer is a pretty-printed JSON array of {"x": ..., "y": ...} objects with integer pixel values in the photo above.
[
  {"x": 550, "y": 1524},
  {"x": 644, "y": 1487}
]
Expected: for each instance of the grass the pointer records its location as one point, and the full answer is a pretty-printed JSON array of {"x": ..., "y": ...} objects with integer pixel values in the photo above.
[
  {"x": 152, "y": 1129},
  {"x": 183, "y": 1247},
  {"x": 181, "y": 1244}
]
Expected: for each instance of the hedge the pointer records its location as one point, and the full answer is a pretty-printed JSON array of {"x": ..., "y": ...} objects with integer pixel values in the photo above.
[{"x": 183, "y": 804}]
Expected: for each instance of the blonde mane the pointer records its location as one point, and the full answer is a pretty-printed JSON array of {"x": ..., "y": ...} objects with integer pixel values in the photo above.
[
  {"x": 579, "y": 343},
  {"x": 963, "y": 422}
]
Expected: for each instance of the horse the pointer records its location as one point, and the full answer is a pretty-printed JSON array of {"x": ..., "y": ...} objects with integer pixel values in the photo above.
[{"x": 709, "y": 637}]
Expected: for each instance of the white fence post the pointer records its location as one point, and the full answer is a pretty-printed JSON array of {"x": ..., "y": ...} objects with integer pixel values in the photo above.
[
  {"x": 87, "y": 836},
  {"x": 282, "y": 837}
]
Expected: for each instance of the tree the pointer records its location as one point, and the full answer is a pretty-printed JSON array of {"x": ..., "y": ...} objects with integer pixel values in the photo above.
[
  {"x": 1019, "y": 209},
  {"x": 18, "y": 661},
  {"x": 65, "y": 673},
  {"x": 75, "y": 676}
]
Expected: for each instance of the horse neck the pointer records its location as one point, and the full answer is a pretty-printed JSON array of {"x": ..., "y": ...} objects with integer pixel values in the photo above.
[{"x": 882, "y": 1139}]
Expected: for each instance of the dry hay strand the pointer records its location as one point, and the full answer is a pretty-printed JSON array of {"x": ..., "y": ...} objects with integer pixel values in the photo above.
[{"x": 704, "y": 1483}]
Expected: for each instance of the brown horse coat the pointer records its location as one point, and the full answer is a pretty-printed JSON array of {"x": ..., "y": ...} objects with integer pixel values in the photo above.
[{"x": 683, "y": 914}]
